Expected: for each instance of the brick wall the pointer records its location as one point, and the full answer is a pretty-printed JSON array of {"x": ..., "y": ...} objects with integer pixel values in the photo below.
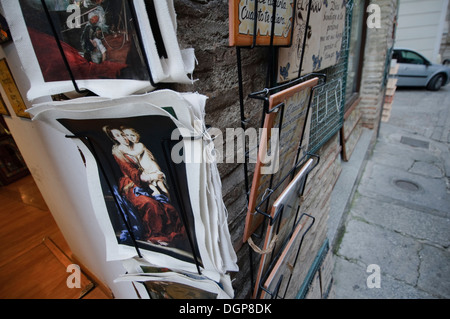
[{"x": 378, "y": 43}]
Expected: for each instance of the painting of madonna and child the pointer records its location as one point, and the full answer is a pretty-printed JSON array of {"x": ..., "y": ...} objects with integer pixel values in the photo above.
[
  {"x": 98, "y": 38},
  {"x": 144, "y": 191}
]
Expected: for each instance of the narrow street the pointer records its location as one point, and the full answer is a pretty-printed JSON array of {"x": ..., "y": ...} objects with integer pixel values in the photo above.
[{"x": 399, "y": 220}]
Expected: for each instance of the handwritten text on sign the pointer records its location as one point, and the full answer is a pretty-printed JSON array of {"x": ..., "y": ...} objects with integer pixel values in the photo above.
[{"x": 243, "y": 16}]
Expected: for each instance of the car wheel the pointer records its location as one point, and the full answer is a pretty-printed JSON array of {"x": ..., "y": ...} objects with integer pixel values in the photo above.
[{"x": 436, "y": 83}]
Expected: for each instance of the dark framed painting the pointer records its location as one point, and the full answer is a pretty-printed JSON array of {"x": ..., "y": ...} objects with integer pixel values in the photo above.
[
  {"x": 174, "y": 290},
  {"x": 111, "y": 48},
  {"x": 170, "y": 214},
  {"x": 164, "y": 283},
  {"x": 175, "y": 286}
]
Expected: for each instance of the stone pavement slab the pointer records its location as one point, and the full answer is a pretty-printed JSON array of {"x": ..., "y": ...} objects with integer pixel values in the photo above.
[
  {"x": 350, "y": 282},
  {"x": 381, "y": 181},
  {"x": 417, "y": 224},
  {"x": 395, "y": 254},
  {"x": 435, "y": 271},
  {"x": 390, "y": 151}
]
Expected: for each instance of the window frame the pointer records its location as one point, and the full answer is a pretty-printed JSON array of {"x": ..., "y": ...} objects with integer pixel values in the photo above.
[{"x": 355, "y": 96}]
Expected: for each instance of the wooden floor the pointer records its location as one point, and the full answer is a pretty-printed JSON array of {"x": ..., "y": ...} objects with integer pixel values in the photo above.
[{"x": 33, "y": 253}]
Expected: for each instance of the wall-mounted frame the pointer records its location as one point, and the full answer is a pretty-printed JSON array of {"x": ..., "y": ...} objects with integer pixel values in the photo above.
[
  {"x": 287, "y": 109},
  {"x": 11, "y": 90},
  {"x": 251, "y": 22}
]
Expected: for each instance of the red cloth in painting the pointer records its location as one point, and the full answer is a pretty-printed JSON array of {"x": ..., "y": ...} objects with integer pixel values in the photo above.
[
  {"x": 52, "y": 64},
  {"x": 161, "y": 221}
]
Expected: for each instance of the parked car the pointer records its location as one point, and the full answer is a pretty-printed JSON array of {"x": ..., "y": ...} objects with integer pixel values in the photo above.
[{"x": 415, "y": 70}]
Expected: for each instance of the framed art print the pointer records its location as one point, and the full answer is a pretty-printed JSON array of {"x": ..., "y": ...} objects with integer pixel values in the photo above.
[
  {"x": 12, "y": 164},
  {"x": 244, "y": 13},
  {"x": 165, "y": 283},
  {"x": 287, "y": 115}
]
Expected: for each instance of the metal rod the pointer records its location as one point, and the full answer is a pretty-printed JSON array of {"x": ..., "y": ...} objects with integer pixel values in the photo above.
[
  {"x": 140, "y": 39},
  {"x": 243, "y": 118},
  {"x": 174, "y": 177},
  {"x": 61, "y": 50},
  {"x": 304, "y": 38}
]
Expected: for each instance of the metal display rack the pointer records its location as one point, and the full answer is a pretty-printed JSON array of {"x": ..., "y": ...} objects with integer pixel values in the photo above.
[{"x": 263, "y": 95}]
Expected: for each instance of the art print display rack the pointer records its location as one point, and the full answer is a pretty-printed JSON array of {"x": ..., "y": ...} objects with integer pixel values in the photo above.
[{"x": 282, "y": 246}]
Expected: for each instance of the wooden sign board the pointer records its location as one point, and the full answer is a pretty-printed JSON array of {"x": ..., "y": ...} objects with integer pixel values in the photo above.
[
  {"x": 323, "y": 39},
  {"x": 242, "y": 16}
]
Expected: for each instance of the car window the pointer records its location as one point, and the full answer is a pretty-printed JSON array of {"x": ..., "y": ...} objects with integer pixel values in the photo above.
[
  {"x": 396, "y": 55},
  {"x": 411, "y": 58}
]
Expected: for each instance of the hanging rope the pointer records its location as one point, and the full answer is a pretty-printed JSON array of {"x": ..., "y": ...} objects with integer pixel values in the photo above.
[{"x": 258, "y": 250}]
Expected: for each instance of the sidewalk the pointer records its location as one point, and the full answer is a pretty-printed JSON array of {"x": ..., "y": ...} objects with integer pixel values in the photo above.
[{"x": 399, "y": 219}]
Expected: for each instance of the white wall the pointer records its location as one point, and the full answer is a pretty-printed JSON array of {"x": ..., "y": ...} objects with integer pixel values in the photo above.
[
  {"x": 421, "y": 25},
  {"x": 59, "y": 173}
]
